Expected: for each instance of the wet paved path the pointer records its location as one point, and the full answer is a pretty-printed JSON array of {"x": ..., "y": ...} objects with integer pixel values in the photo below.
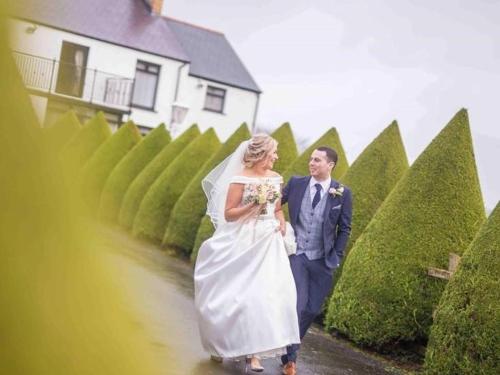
[{"x": 163, "y": 293}]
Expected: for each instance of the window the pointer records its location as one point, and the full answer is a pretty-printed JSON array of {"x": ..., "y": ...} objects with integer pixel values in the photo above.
[
  {"x": 215, "y": 99},
  {"x": 145, "y": 85},
  {"x": 72, "y": 69}
]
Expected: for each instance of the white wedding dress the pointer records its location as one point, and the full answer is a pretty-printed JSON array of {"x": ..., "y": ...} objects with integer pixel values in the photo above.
[{"x": 245, "y": 294}]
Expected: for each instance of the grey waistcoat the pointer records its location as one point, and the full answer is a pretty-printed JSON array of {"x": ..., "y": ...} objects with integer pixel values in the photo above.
[{"x": 310, "y": 227}]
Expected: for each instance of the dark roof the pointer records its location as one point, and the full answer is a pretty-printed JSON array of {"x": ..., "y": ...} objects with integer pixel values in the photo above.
[
  {"x": 211, "y": 55},
  {"x": 129, "y": 23},
  {"x": 123, "y": 22}
]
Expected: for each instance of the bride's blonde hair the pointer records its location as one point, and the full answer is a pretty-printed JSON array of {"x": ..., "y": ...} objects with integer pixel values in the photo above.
[{"x": 259, "y": 146}]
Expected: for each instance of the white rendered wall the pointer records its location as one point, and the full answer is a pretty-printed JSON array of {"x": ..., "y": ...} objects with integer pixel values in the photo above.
[{"x": 239, "y": 104}]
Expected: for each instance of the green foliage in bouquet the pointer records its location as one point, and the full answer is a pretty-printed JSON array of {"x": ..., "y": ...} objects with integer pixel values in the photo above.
[
  {"x": 155, "y": 209},
  {"x": 384, "y": 295},
  {"x": 139, "y": 187},
  {"x": 465, "y": 335},
  {"x": 62, "y": 130},
  {"x": 192, "y": 204},
  {"x": 127, "y": 170},
  {"x": 107, "y": 156}
]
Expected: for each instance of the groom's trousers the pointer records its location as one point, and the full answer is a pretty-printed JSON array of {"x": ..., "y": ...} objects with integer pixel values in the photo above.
[{"x": 313, "y": 280}]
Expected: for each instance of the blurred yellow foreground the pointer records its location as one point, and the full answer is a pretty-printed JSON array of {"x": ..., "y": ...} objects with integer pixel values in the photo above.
[{"x": 60, "y": 311}]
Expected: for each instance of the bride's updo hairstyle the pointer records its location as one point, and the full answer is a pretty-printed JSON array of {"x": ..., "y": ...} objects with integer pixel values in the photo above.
[{"x": 259, "y": 147}]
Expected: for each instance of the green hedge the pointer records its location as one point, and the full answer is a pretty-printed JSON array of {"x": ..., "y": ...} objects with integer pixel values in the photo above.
[
  {"x": 107, "y": 156},
  {"x": 85, "y": 142},
  {"x": 371, "y": 178},
  {"x": 139, "y": 187},
  {"x": 384, "y": 295},
  {"x": 287, "y": 148},
  {"x": 61, "y": 131},
  {"x": 205, "y": 231},
  {"x": 301, "y": 164},
  {"x": 155, "y": 209},
  {"x": 192, "y": 204},
  {"x": 465, "y": 336},
  {"x": 127, "y": 170}
]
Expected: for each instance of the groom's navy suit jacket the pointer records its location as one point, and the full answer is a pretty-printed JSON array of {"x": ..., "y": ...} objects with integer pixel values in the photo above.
[{"x": 337, "y": 216}]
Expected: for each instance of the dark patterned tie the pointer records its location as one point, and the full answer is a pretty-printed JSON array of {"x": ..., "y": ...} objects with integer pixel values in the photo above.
[{"x": 317, "y": 196}]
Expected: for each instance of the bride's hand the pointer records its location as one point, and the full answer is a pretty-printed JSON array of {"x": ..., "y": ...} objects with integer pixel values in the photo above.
[
  {"x": 282, "y": 229},
  {"x": 257, "y": 208}
]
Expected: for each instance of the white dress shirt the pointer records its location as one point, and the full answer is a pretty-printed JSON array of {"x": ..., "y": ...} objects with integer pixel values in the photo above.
[{"x": 325, "y": 186}]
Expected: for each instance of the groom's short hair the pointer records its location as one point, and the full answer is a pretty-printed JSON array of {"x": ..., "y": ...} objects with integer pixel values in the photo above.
[{"x": 331, "y": 154}]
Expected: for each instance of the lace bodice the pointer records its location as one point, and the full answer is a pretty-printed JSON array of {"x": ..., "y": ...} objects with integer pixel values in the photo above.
[{"x": 250, "y": 185}]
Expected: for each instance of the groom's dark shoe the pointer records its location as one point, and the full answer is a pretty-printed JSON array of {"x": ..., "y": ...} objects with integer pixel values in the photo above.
[{"x": 290, "y": 368}]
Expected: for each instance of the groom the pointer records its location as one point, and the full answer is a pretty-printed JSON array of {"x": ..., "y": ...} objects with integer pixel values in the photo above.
[{"x": 320, "y": 213}]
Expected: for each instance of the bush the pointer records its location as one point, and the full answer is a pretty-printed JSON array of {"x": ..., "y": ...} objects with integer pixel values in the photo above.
[
  {"x": 107, "y": 156},
  {"x": 192, "y": 204},
  {"x": 465, "y": 335},
  {"x": 287, "y": 148},
  {"x": 128, "y": 168},
  {"x": 61, "y": 131},
  {"x": 84, "y": 143},
  {"x": 384, "y": 295},
  {"x": 139, "y": 187},
  {"x": 371, "y": 178},
  {"x": 155, "y": 209},
  {"x": 205, "y": 231},
  {"x": 301, "y": 164}
]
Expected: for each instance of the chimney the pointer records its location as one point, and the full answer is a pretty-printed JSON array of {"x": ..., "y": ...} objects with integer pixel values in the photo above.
[{"x": 156, "y": 6}]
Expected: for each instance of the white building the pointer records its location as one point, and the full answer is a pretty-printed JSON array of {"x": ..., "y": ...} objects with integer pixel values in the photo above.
[{"x": 124, "y": 58}]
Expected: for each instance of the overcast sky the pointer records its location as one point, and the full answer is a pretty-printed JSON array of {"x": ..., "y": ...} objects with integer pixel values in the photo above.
[{"x": 357, "y": 65}]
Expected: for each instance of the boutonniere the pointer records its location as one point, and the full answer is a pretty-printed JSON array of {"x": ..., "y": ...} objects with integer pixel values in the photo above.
[{"x": 336, "y": 191}]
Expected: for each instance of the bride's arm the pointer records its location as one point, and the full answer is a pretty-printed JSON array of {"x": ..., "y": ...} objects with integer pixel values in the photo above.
[
  {"x": 280, "y": 216},
  {"x": 234, "y": 210}
]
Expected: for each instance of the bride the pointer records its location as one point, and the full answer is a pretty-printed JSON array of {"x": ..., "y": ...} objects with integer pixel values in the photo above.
[{"x": 245, "y": 294}]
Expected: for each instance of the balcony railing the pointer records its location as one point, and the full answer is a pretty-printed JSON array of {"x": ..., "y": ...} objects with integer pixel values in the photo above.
[{"x": 74, "y": 81}]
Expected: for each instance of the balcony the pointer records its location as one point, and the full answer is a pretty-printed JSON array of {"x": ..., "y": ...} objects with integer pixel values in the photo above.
[{"x": 62, "y": 80}]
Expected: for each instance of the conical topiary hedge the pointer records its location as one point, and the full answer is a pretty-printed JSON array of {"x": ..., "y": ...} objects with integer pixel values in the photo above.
[
  {"x": 301, "y": 164},
  {"x": 155, "y": 209},
  {"x": 371, "y": 178},
  {"x": 84, "y": 143},
  {"x": 61, "y": 131},
  {"x": 128, "y": 168},
  {"x": 192, "y": 204},
  {"x": 465, "y": 336},
  {"x": 373, "y": 175},
  {"x": 384, "y": 295},
  {"x": 107, "y": 156},
  {"x": 205, "y": 230},
  {"x": 139, "y": 187},
  {"x": 287, "y": 148}
]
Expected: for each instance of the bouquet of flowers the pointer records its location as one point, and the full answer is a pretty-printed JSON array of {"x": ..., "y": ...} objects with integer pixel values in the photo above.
[{"x": 261, "y": 194}]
